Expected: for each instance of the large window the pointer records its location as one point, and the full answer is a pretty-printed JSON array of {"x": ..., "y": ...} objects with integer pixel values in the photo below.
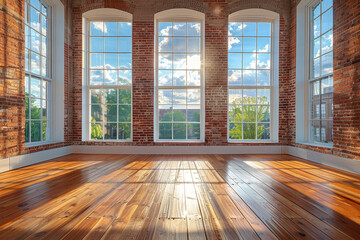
[
  {"x": 321, "y": 72},
  {"x": 250, "y": 80},
  {"x": 179, "y": 81},
  {"x": 38, "y": 76},
  {"x": 110, "y": 80}
]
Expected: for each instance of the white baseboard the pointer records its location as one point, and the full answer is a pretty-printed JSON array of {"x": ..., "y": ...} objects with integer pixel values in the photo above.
[
  {"x": 89, "y": 149},
  {"x": 346, "y": 164},
  {"x": 19, "y": 161}
]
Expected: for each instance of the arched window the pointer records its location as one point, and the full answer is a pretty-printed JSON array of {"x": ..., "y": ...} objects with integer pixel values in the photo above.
[
  {"x": 44, "y": 71},
  {"x": 179, "y": 78},
  {"x": 253, "y": 43},
  {"x": 108, "y": 73},
  {"x": 314, "y": 72}
]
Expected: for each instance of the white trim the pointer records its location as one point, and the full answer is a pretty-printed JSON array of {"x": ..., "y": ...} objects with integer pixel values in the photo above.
[
  {"x": 259, "y": 15},
  {"x": 342, "y": 163},
  {"x": 19, "y": 161},
  {"x": 104, "y": 14},
  {"x": 179, "y": 15}
]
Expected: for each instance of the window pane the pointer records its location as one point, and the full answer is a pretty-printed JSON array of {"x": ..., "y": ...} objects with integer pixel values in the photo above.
[
  {"x": 315, "y": 131},
  {"x": 125, "y": 61},
  {"x": 179, "y": 113},
  {"x": 27, "y": 133},
  {"x": 193, "y": 45},
  {"x": 263, "y": 114},
  {"x": 326, "y": 4},
  {"x": 179, "y": 44},
  {"x": 179, "y": 96},
  {"x": 179, "y": 131},
  {"x": 193, "y": 78},
  {"x": 316, "y": 27},
  {"x": 263, "y": 131},
  {"x": 235, "y": 96},
  {"x": 125, "y": 29},
  {"x": 327, "y": 64},
  {"x": 179, "y": 78},
  {"x": 327, "y": 42},
  {"x": 263, "y": 77},
  {"x": 235, "y": 60},
  {"x": 249, "y": 130},
  {"x": 249, "y": 44},
  {"x": 249, "y": 61},
  {"x": 193, "y": 131},
  {"x": 263, "y": 61},
  {"x": 36, "y": 131},
  {"x": 124, "y": 131},
  {"x": 96, "y": 77},
  {"x": 165, "y": 131},
  {"x": 96, "y": 44},
  {"x": 316, "y": 48},
  {"x": 96, "y": 131},
  {"x": 327, "y": 21},
  {"x": 110, "y": 131},
  {"x": 249, "y": 96},
  {"x": 110, "y": 61},
  {"x": 263, "y": 44},
  {"x": 179, "y": 29},
  {"x": 95, "y": 95},
  {"x": 235, "y": 130},
  {"x": 235, "y": 113},
  {"x": 264, "y": 29},
  {"x": 27, "y": 116},
  {"x": 235, "y": 29},
  {"x": 44, "y": 109},
  {"x": 193, "y": 61},
  {"x": 44, "y": 130},
  {"x": 110, "y": 28},
  {"x": 234, "y": 77},
  {"x": 96, "y": 28},
  {"x": 165, "y": 61},
  {"x": 96, "y": 113},
  {"x": 111, "y": 44},
  {"x": 35, "y": 109},
  {"x": 179, "y": 61},
  {"x": 124, "y": 113},
  {"x": 165, "y": 29},
  {"x": 165, "y": 78},
  {"x": 165, "y": 96},
  {"x": 235, "y": 44},
  {"x": 111, "y": 113},
  {"x": 97, "y": 60},
  {"x": 249, "y": 77},
  {"x": 165, "y": 44},
  {"x": 125, "y": 77},
  {"x": 263, "y": 96},
  {"x": 165, "y": 113},
  {"x": 193, "y": 29},
  {"x": 249, "y": 29},
  {"x": 193, "y": 113},
  {"x": 249, "y": 113},
  {"x": 35, "y": 63},
  {"x": 124, "y": 96}
]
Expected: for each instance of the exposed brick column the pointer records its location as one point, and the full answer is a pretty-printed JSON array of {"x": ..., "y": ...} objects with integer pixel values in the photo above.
[
  {"x": 12, "y": 88},
  {"x": 143, "y": 82},
  {"x": 216, "y": 61},
  {"x": 347, "y": 78}
]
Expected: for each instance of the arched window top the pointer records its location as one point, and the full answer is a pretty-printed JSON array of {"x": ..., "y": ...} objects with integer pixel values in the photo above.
[
  {"x": 179, "y": 14},
  {"x": 104, "y": 14},
  {"x": 254, "y": 14}
]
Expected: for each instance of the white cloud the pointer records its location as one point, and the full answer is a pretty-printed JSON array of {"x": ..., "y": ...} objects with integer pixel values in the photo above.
[
  {"x": 231, "y": 41},
  {"x": 100, "y": 26}
]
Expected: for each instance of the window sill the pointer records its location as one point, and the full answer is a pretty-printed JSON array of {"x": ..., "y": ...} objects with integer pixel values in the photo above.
[
  {"x": 252, "y": 141},
  {"x": 109, "y": 141},
  {"x": 323, "y": 145},
  {"x": 179, "y": 141},
  {"x": 36, "y": 144}
]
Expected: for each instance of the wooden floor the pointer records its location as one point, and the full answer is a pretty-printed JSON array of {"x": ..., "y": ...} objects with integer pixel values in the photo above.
[{"x": 179, "y": 197}]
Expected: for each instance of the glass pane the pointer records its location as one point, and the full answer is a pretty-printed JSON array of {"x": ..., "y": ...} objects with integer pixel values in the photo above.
[
  {"x": 179, "y": 131},
  {"x": 125, "y": 96},
  {"x": 326, "y": 4},
  {"x": 44, "y": 71},
  {"x": 165, "y": 96},
  {"x": 263, "y": 96},
  {"x": 27, "y": 116},
  {"x": 96, "y": 77},
  {"x": 263, "y": 61},
  {"x": 327, "y": 127},
  {"x": 165, "y": 61},
  {"x": 263, "y": 131},
  {"x": 96, "y": 28},
  {"x": 193, "y": 131},
  {"x": 263, "y": 44},
  {"x": 235, "y": 113},
  {"x": 97, "y": 60},
  {"x": 235, "y": 130},
  {"x": 27, "y": 129},
  {"x": 263, "y": 114},
  {"x": 165, "y": 29},
  {"x": 263, "y": 77},
  {"x": 235, "y": 28},
  {"x": 234, "y": 44},
  {"x": 179, "y": 29},
  {"x": 165, "y": 130},
  {"x": 124, "y": 113},
  {"x": 179, "y": 61},
  {"x": 96, "y": 131},
  {"x": 125, "y": 77},
  {"x": 125, "y": 44},
  {"x": 165, "y": 44},
  {"x": 111, "y": 44},
  {"x": 111, "y": 60},
  {"x": 179, "y": 44},
  {"x": 35, "y": 87},
  {"x": 315, "y": 131},
  {"x": 110, "y": 131},
  {"x": 316, "y": 10},
  {"x": 96, "y": 44},
  {"x": 235, "y": 96},
  {"x": 179, "y": 113},
  {"x": 249, "y": 96},
  {"x": 249, "y": 130},
  {"x": 44, "y": 109},
  {"x": 249, "y": 61},
  {"x": 327, "y": 87},
  {"x": 193, "y": 45},
  {"x": 316, "y": 48},
  {"x": 35, "y": 63},
  {"x": 44, "y": 46},
  {"x": 327, "y": 64},
  {"x": 235, "y": 60},
  {"x": 44, "y": 132},
  {"x": 165, "y": 113},
  {"x": 179, "y": 96},
  {"x": 34, "y": 19},
  {"x": 315, "y": 91},
  {"x": 125, "y": 61},
  {"x": 27, "y": 90},
  {"x": 249, "y": 77},
  {"x": 110, "y": 28},
  {"x": 193, "y": 113},
  {"x": 193, "y": 96},
  {"x": 327, "y": 42},
  {"x": 193, "y": 29},
  {"x": 234, "y": 77},
  {"x": 26, "y": 60},
  {"x": 125, "y": 29},
  {"x": 193, "y": 78},
  {"x": 35, "y": 3},
  {"x": 124, "y": 131},
  {"x": 110, "y": 113},
  {"x": 179, "y": 78},
  {"x": 327, "y": 21},
  {"x": 96, "y": 113},
  {"x": 110, "y": 77},
  {"x": 249, "y": 113},
  {"x": 35, "y": 109},
  {"x": 36, "y": 131},
  {"x": 165, "y": 77},
  {"x": 264, "y": 29},
  {"x": 110, "y": 96},
  {"x": 316, "y": 27},
  {"x": 249, "y": 29},
  {"x": 249, "y": 44},
  {"x": 95, "y": 95},
  {"x": 316, "y": 67},
  {"x": 193, "y": 61}
]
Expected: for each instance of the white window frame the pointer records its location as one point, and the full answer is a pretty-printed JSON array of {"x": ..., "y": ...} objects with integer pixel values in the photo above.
[
  {"x": 55, "y": 108},
  {"x": 180, "y": 15},
  {"x": 303, "y": 73},
  {"x": 101, "y": 15},
  {"x": 262, "y": 15}
]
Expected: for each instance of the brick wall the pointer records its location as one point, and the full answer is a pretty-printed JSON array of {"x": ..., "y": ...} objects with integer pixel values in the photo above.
[{"x": 346, "y": 73}]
